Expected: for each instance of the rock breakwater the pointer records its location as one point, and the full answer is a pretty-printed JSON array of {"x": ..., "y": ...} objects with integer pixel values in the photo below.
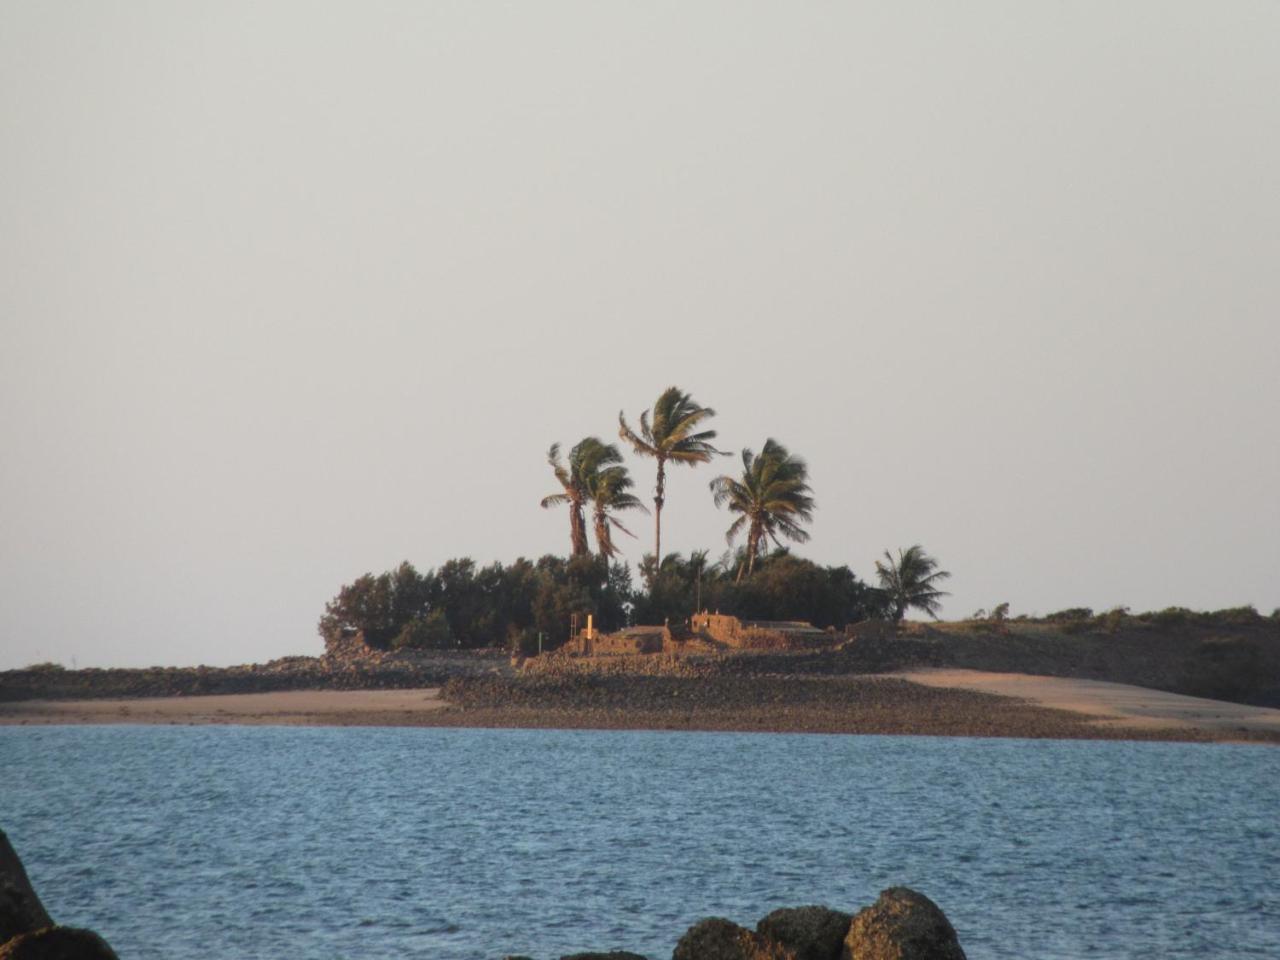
[
  {"x": 901, "y": 925},
  {"x": 392, "y": 672}
]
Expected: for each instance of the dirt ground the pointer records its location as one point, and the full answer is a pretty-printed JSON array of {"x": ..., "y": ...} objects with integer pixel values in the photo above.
[{"x": 939, "y": 702}]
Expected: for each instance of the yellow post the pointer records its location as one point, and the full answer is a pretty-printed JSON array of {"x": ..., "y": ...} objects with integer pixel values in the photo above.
[{"x": 590, "y": 633}]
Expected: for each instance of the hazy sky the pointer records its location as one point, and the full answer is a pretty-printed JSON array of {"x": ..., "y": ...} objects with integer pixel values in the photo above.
[{"x": 294, "y": 291}]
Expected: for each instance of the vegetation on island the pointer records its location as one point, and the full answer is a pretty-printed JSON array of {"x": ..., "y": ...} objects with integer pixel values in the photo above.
[
  {"x": 671, "y": 434},
  {"x": 529, "y": 604},
  {"x": 772, "y": 497},
  {"x": 912, "y": 581}
]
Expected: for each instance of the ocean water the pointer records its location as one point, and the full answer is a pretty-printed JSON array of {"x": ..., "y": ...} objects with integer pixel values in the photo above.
[{"x": 252, "y": 842}]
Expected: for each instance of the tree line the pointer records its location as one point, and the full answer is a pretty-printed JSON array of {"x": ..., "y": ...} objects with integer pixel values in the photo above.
[{"x": 530, "y": 602}]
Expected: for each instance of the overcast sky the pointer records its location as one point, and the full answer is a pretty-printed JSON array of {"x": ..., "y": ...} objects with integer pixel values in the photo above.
[{"x": 294, "y": 291}]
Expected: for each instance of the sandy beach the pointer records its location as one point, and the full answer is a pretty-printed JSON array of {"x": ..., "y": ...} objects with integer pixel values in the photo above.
[
  {"x": 282, "y": 708},
  {"x": 931, "y": 701},
  {"x": 1110, "y": 704}
]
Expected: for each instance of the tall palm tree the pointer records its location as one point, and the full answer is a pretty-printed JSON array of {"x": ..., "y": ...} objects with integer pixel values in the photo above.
[
  {"x": 672, "y": 434},
  {"x": 911, "y": 581},
  {"x": 609, "y": 488},
  {"x": 584, "y": 462},
  {"x": 773, "y": 497}
]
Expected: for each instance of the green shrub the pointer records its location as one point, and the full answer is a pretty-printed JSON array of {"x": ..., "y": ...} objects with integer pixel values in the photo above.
[
  {"x": 425, "y": 633},
  {"x": 1074, "y": 627},
  {"x": 1113, "y": 619},
  {"x": 524, "y": 642},
  {"x": 1173, "y": 617},
  {"x": 1070, "y": 615},
  {"x": 1236, "y": 616},
  {"x": 47, "y": 667}
]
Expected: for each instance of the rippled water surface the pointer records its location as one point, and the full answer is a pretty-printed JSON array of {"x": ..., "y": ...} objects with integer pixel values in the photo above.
[{"x": 200, "y": 842}]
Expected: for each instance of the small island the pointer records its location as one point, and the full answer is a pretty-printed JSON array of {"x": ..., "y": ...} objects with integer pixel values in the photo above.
[{"x": 760, "y": 639}]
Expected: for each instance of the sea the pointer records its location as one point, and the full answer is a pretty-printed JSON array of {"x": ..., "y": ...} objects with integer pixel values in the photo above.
[{"x": 311, "y": 843}]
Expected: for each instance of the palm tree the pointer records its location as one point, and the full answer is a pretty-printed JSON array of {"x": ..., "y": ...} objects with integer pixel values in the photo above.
[
  {"x": 584, "y": 462},
  {"x": 773, "y": 496},
  {"x": 911, "y": 581},
  {"x": 673, "y": 435},
  {"x": 609, "y": 488}
]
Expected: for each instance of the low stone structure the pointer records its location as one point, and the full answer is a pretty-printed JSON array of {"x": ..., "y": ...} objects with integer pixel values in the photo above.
[
  {"x": 628, "y": 641},
  {"x": 759, "y": 634},
  {"x": 347, "y": 646},
  {"x": 703, "y": 633}
]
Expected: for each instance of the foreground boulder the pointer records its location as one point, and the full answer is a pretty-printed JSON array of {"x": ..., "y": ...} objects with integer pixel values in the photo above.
[
  {"x": 57, "y": 943},
  {"x": 902, "y": 925},
  {"x": 26, "y": 932},
  {"x": 20, "y": 909},
  {"x": 811, "y": 933},
  {"x": 718, "y": 939}
]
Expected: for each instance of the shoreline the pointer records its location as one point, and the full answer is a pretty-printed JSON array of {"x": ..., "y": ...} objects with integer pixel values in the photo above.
[{"x": 922, "y": 702}]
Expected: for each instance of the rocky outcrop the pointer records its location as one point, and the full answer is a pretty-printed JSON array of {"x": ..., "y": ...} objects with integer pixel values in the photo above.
[
  {"x": 811, "y": 933},
  {"x": 20, "y": 909},
  {"x": 902, "y": 925},
  {"x": 718, "y": 939},
  {"x": 58, "y": 943},
  {"x": 402, "y": 670},
  {"x": 26, "y": 930}
]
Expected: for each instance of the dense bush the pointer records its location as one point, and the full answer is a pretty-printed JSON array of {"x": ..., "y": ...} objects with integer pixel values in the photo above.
[
  {"x": 782, "y": 587},
  {"x": 1181, "y": 616},
  {"x": 47, "y": 666},
  {"x": 1112, "y": 620},
  {"x": 1070, "y": 615},
  {"x": 460, "y": 605}
]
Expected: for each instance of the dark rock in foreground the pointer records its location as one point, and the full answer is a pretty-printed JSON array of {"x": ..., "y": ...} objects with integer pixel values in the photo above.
[
  {"x": 811, "y": 933},
  {"x": 718, "y": 939},
  {"x": 26, "y": 931},
  {"x": 20, "y": 909},
  {"x": 902, "y": 925},
  {"x": 58, "y": 943}
]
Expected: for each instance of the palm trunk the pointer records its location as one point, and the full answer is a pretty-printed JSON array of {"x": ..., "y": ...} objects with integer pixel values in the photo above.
[
  {"x": 577, "y": 530},
  {"x": 658, "y": 499},
  {"x": 753, "y": 547},
  {"x": 604, "y": 540}
]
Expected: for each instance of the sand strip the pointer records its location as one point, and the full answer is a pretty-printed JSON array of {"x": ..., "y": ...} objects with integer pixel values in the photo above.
[
  {"x": 1115, "y": 704},
  {"x": 289, "y": 707}
]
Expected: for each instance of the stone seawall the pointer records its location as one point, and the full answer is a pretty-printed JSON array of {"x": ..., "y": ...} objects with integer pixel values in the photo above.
[{"x": 389, "y": 672}]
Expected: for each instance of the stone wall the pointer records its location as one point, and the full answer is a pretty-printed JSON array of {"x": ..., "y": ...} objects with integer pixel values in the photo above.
[
  {"x": 628, "y": 642},
  {"x": 348, "y": 647},
  {"x": 759, "y": 634}
]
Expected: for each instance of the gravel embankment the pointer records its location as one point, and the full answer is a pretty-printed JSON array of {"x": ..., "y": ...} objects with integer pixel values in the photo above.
[{"x": 866, "y": 705}]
